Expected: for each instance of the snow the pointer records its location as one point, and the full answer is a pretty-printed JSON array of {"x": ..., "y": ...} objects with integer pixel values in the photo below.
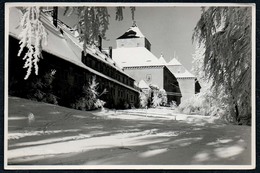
[
  {"x": 186, "y": 74},
  {"x": 162, "y": 60},
  {"x": 135, "y": 56},
  {"x": 133, "y": 31},
  {"x": 63, "y": 46},
  {"x": 121, "y": 137},
  {"x": 174, "y": 61},
  {"x": 143, "y": 85}
]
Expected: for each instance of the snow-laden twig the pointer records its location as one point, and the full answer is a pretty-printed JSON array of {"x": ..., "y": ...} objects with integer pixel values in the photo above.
[{"x": 31, "y": 37}]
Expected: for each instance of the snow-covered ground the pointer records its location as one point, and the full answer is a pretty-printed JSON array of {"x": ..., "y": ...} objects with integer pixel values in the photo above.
[{"x": 45, "y": 134}]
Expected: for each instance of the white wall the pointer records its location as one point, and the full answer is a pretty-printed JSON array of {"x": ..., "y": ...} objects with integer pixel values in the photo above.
[
  {"x": 187, "y": 87},
  {"x": 131, "y": 42},
  {"x": 138, "y": 74}
]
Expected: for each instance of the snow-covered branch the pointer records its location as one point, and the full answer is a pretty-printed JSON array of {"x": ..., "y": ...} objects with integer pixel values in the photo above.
[{"x": 32, "y": 35}]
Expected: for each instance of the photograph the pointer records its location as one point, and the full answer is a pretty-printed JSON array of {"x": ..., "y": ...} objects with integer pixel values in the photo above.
[{"x": 130, "y": 86}]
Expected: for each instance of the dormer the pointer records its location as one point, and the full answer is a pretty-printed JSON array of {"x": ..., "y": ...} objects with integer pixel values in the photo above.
[{"x": 133, "y": 37}]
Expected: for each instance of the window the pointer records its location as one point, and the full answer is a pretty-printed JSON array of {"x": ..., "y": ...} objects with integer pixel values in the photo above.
[
  {"x": 93, "y": 64},
  {"x": 97, "y": 66},
  {"x": 148, "y": 77}
]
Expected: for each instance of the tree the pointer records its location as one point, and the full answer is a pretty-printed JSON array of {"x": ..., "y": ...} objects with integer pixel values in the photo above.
[
  {"x": 90, "y": 97},
  {"x": 92, "y": 23},
  {"x": 159, "y": 96},
  {"x": 225, "y": 33},
  {"x": 32, "y": 35},
  {"x": 41, "y": 88},
  {"x": 143, "y": 100}
]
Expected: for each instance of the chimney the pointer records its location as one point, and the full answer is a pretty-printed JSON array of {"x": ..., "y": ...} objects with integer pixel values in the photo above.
[
  {"x": 110, "y": 51},
  {"x": 55, "y": 16},
  {"x": 100, "y": 43}
]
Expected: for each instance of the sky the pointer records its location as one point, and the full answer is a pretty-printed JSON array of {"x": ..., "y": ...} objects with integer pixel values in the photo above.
[{"x": 169, "y": 30}]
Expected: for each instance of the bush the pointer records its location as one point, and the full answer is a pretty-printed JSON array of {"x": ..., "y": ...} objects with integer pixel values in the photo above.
[
  {"x": 173, "y": 104},
  {"x": 41, "y": 88},
  {"x": 205, "y": 103},
  {"x": 163, "y": 95},
  {"x": 159, "y": 97},
  {"x": 156, "y": 100},
  {"x": 143, "y": 99},
  {"x": 90, "y": 99}
]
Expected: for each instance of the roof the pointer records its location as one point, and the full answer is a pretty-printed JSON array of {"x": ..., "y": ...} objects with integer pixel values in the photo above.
[
  {"x": 174, "y": 61},
  {"x": 64, "y": 46},
  {"x": 132, "y": 32},
  {"x": 142, "y": 84},
  {"x": 135, "y": 56},
  {"x": 162, "y": 60},
  {"x": 186, "y": 74}
]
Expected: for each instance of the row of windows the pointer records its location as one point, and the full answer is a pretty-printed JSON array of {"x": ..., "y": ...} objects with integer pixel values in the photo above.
[
  {"x": 116, "y": 90},
  {"x": 107, "y": 70},
  {"x": 122, "y": 94},
  {"x": 80, "y": 78}
]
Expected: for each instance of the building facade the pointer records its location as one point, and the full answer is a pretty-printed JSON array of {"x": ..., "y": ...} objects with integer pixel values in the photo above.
[
  {"x": 73, "y": 68},
  {"x": 188, "y": 84},
  {"x": 133, "y": 54}
]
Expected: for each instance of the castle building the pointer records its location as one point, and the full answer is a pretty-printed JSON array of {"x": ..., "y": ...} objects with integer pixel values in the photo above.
[
  {"x": 73, "y": 69},
  {"x": 133, "y": 54},
  {"x": 188, "y": 84}
]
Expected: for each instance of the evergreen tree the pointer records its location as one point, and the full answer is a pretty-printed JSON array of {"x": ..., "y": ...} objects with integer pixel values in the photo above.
[{"x": 90, "y": 97}]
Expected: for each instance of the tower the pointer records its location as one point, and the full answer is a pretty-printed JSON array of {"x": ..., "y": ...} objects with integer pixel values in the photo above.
[{"x": 133, "y": 37}]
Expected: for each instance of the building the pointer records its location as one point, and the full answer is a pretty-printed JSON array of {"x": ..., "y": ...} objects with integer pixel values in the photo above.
[
  {"x": 188, "y": 84},
  {"x": 73, "y": 68},
  {"x": 133, "y": 54}
]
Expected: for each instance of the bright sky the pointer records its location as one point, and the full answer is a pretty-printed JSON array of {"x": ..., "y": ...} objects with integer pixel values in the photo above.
[{"x": 169, "y": 30}]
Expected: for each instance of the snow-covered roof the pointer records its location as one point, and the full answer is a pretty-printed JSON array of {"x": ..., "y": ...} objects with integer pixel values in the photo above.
[
  {"x": 135, "y": 56},
  {"x": 132, "y": 32},
  {"x": 174, "y": 61},
  {"x": 186, "y": 74},
  {"x": 143, "y": 85},
  {"x": 162, "y": 60},
  {"x": 64, "y": 46}
]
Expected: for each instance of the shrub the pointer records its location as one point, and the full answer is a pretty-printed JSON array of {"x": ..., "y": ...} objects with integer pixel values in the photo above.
[
  {"x": 90, "y": 99},
  {"x": 156, "y": 100},
  {"x": 205, "y": 103},
  {"x": 41, "y": 88},
  {"x": 163, "y": 95},
  {"x": 143, "y": 99},
  {"x": 173, "y": 104},
  {"x": 159, "y": 96}
]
